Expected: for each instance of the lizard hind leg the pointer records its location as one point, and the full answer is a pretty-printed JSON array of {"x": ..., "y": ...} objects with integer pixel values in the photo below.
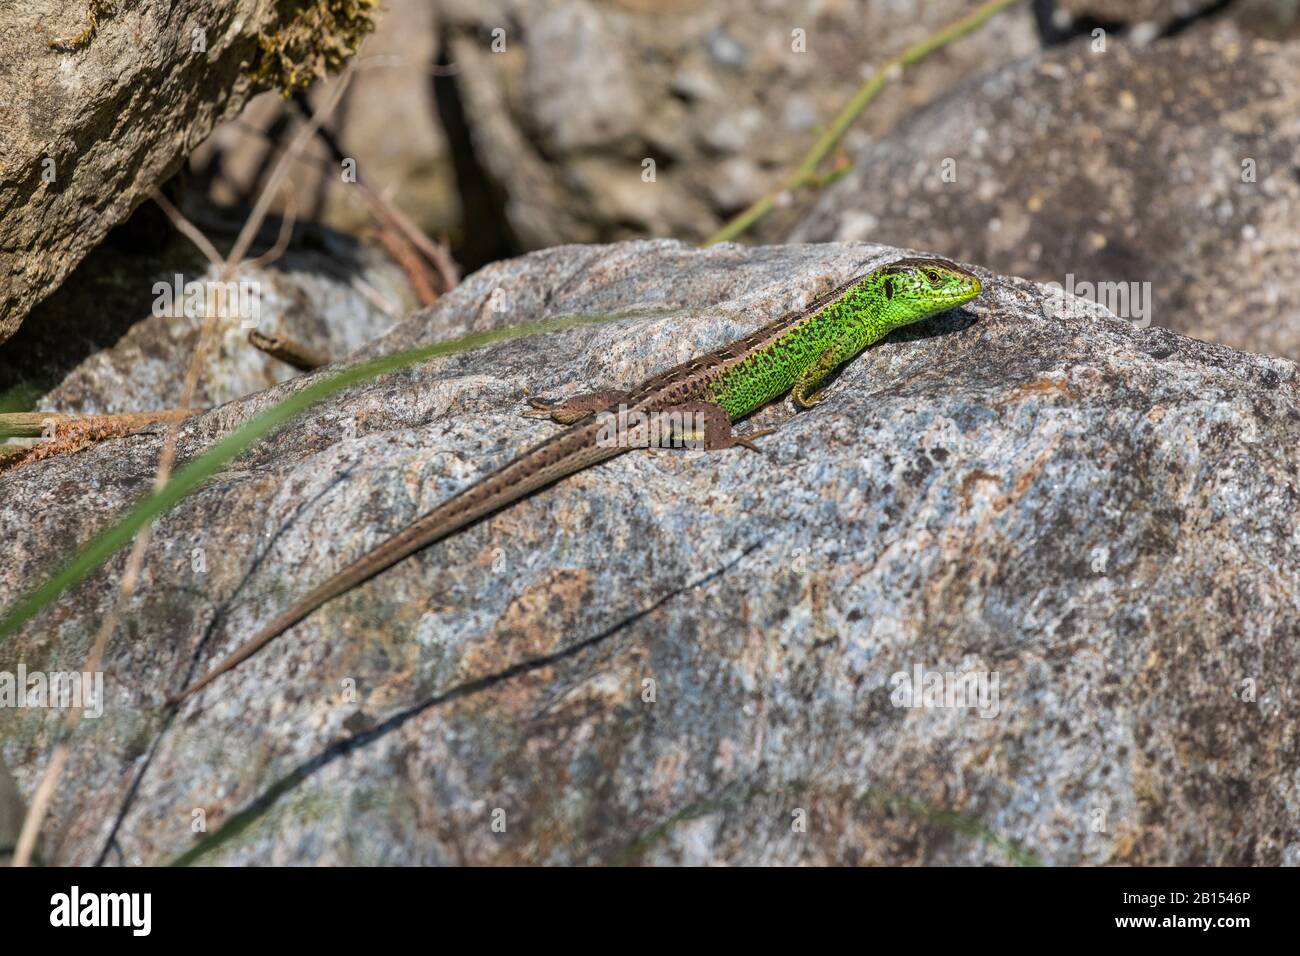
[
  {"x": 576, "y": 408},
  {"x": 701, "y": 424}
]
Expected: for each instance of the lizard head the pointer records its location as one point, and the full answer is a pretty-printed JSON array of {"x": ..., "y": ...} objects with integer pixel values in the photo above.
[{"x": 914, "y": 289}]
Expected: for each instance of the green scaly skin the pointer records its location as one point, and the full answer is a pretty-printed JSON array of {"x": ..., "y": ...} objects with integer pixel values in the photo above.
[
  {"x": 827, "y": 335},
  {"x": 793, "y": 354}
]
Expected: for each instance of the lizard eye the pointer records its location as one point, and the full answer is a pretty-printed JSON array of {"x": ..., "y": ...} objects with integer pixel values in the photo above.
[{"x": 933, "y": 277}]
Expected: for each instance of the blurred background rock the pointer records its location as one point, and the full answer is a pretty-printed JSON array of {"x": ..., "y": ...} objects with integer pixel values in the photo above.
[
  {"x": 388, "y": 120},
  {"x": 536, "y": 136}
]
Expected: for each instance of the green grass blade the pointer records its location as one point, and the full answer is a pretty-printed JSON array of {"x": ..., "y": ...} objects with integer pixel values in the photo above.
[{"x": 104, "y": 545}]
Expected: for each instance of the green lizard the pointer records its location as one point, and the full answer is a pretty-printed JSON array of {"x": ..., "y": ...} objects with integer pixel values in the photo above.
[{"x": 699, "y": 399}]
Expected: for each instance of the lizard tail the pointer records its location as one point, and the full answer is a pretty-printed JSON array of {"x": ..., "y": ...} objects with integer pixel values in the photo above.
[{"x": 536, "y": 468}]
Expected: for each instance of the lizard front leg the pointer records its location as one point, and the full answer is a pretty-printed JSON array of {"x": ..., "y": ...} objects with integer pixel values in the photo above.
[
  {"x": 576, "y": 408},
  {"x": 802, "y": 392}
]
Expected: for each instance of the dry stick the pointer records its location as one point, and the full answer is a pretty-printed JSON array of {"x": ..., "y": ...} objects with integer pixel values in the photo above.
[
  {"x": 188, "y": 229},
  {"x": 302, "y": 357},
  {"x": 403, "y": 253},
  {"x": 391, "y": 216},
  {"x": 375, "y": 297},
  {"x": 282, "y": 168},
  {"x": 435, "y": 252},
  {"x": 37, "y": 424},
  {"x": 807, "y": 169},
  {"x": 399, "y": 247},
  {"x": 408, "y": 257},
  {"x": 45, "y": 790},
  {"x": 282, "y": 240},
  {"x": 44, "y": 795}
]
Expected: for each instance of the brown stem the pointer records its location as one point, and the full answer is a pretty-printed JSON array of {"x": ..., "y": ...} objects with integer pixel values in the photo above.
[
  {"x": 38, "y": 424},
  {"x": 391, "y": 217}
]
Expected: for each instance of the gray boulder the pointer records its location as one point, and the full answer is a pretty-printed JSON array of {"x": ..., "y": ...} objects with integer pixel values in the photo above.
[
  {"x": 12, "y": 812},
  {"x": 566, "y": 100},
  {"x": 1023, "y": 588},
  {"x": 1167, "y": 171}
]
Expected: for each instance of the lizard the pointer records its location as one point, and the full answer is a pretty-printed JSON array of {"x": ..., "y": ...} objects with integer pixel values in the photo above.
[{"x": 699, "y": 399}]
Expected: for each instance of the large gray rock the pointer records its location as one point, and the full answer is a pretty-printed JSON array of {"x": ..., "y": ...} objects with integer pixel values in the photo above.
[
  {"x": 91, "y": 125},
  {"x": 1170, "y": 167},
  {"x": 692, "y": 657},
  {"x": 566, "y": 99},
  {"x": 12, "y": 812}
]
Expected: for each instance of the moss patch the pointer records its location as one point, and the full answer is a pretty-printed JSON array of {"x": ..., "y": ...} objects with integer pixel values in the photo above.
[{"x": 314, "y": 38}]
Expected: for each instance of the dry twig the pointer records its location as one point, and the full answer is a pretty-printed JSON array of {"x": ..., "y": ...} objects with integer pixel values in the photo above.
[{"x": 302, "y": 357}]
